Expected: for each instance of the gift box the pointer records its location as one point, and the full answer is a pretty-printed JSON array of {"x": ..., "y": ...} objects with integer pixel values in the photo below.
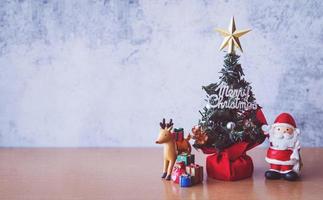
[
  {"x": 196, "y": 172},
  {"x": 186, "y": 158},
  {"x": 178, "y": 170},
  {"x": 178, "y": 134},
  {"x": 185, "y": 180}
]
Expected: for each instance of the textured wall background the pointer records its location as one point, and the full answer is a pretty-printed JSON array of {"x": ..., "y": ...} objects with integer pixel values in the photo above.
[{"x": 103, "y": 73}]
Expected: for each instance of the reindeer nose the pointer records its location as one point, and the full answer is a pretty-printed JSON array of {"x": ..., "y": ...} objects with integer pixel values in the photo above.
[{"x": 157, "y": 142}]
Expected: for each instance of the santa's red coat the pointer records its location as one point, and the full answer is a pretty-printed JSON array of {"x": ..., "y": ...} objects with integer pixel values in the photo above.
[{"x": 279, "y": 157}]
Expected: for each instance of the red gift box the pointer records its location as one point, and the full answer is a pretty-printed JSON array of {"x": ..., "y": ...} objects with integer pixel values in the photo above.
[
  {"x": 178, "y": 170},
  {"x": 196, "y": 171},
  {"x": 178, "y": 134},
  {"x": 232, "y": 163}
]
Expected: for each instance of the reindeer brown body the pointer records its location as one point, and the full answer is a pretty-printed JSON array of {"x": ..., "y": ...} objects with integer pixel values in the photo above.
[{"x": 165, "y": 137}]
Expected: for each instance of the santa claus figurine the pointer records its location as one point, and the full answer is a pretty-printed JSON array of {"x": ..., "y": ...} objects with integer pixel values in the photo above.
[{"x": 283, "y": 154}]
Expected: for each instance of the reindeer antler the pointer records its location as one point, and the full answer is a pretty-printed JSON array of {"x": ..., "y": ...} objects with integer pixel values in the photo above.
[
  {"x": 170, "y": 124},
  {"x": 164, "y": 125}
]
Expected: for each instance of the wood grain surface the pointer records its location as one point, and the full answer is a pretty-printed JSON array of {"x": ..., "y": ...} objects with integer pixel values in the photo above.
[{"x": 134, "y": 173}]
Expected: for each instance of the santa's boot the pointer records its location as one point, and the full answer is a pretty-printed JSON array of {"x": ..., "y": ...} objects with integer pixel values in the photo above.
[
  {"x": 272, "y": 175},
  {"x": 291, "y": 176}
]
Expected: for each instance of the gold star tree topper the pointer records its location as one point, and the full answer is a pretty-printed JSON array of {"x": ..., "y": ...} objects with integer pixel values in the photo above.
[{"x": 231, "y": 37}]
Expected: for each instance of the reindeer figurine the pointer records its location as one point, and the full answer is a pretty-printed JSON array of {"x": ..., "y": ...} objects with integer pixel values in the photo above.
[{"x": 165, "y": 137}]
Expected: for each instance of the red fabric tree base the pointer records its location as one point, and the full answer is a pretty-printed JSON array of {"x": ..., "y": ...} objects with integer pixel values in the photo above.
[{"x": 232, "y": 163}]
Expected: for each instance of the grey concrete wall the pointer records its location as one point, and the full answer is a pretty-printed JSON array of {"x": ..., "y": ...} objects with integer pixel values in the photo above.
[{"x": 103, "y": 73}]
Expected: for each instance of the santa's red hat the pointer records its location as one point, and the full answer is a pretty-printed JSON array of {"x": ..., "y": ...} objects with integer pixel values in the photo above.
[{"x": 285, "y": 119}]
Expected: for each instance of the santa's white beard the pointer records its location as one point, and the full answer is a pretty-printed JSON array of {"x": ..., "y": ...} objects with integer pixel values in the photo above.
[{"x": 282, "y": 141}]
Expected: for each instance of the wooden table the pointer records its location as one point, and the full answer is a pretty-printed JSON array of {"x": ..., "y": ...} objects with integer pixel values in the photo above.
[{"x": 134, "y": 173}]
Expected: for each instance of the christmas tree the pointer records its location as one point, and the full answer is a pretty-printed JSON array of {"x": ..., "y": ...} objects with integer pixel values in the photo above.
[{"x": 230, "y": 115}]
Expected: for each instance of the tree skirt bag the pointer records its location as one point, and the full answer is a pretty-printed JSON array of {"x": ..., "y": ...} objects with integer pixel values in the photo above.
[{"x": 232, "y": 163}]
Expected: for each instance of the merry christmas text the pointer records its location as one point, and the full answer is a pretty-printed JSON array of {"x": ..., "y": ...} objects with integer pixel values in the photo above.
[{"x": 227, "y": 97}]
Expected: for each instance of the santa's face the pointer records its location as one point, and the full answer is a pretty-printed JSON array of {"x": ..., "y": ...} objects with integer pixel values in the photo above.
[{"x": 282, "y": 137}]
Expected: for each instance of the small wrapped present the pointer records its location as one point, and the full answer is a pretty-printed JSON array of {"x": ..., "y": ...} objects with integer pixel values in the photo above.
[
  {"x": 178, "y": 134},
  {"x": 185, "y": 180},
  {"x": 186, "y": 158},
  {"x": 178, "y": 170},
  {"x": 196, "y": 171}
]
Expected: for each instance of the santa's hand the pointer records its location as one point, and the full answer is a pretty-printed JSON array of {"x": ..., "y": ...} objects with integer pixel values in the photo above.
[
  {"x": 265, "y": 128},
  {"x": 295, "y": 154},
  {"x": 297, "y": 145}
]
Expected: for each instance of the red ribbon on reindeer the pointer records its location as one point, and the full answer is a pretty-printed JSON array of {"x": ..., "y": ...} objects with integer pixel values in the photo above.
[{"x": 232, "y": 163}]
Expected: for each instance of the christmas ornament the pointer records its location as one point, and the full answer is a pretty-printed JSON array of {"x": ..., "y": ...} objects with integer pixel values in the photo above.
[
  {"x": 231, "y": 37},
  {"x": 283, "y": 154},
  {"x": 199, "y": 136},
  {"x": 231, "y": 125},
  {"x": 166, "y": 137},
  {"x": 208, "y": 106}
]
